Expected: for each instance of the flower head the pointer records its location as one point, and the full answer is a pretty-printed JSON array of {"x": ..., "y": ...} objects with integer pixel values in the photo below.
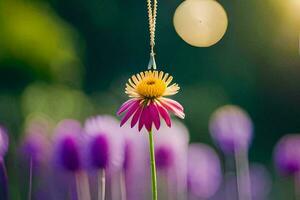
[
  {"x": 4, "y": 141},
  {"x": 68, "y": 145},
  {"x": 104, "y": 143},
  {"x": 148, "y": 91},
  {"x": 204, "y": 171},
  {"x": 35, "y": 144},
  {"x": 232, "y": 128},
  {"x": 286, "y": 154},
  {"x": 171, "y": 149}
]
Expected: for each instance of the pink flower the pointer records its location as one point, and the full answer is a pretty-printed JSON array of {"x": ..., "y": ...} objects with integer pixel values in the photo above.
[{"x": 148, "y": 103}]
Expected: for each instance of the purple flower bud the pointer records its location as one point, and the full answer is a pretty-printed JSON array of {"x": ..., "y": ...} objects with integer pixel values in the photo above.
[
  {"x": 286, "y": 154},
  {"x": 261, "y": 181},
  {"x": 4, "y": 141},
  {"x": 105, "y": 142},
  {"x": 127, "y": 155},
  {"x": 68, "y": 146},
  {"x": 171, "y": 144},
  {"x": 99, "y": 149},
  {"x": 231, "y": 128},
  {"x": 204, "y": 171},
  {"x": 164, "y": 157},
  {"x": 261, "y": 184},
  {"x": 35, "y": 146},
  {"x": 136, "y": 154},
  {"x": 70, "y": 154}
]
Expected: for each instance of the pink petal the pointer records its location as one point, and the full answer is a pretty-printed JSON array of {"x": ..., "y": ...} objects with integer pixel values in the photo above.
[
  {"x": 173, "y": 103},
  {"x": 136, "y": 116},
  {"x": 142, "y": 119},
  {"x": 178, "y": 112},
  {"x": 130, "y": 112},
  {"x": 126, "y": 105},
  {"x": 148, "y": 119},
  {"x": 154, "y": 115},
  {"x": 164, "y": 114}
]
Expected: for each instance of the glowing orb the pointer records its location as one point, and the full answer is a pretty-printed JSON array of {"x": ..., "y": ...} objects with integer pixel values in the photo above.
[{"x": 200, "y": 23}]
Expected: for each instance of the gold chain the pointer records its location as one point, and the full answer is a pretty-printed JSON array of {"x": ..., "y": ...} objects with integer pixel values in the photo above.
[
  {"x": 152, "y": 10},
  {"x": 152, "y": 13}
]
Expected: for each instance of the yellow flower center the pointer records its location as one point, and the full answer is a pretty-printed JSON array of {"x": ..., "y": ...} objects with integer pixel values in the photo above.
[{"x": 151, "y": 87}]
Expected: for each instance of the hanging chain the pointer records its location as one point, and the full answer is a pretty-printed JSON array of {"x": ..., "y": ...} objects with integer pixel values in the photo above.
[{"x": 152, "y": 13}]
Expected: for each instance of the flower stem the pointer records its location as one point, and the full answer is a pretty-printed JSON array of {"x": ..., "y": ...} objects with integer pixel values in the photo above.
[
  {"x": 243, "y": 175},
  {"x": 30, "y": 179},
  {"x": 296, "y": 186},
  {"x": 82, "y": 186},
  {"x": 3, "y": 181},
  {"x": 123, "y": 186},
  {"x": 101, "y": 184},
  {"x": 153, "y": 166}
]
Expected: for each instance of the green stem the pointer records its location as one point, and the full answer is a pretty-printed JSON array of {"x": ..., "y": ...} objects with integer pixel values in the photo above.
[{"x": 153, "y": 166}]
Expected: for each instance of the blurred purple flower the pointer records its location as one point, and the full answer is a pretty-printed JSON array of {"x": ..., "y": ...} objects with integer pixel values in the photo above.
[
  {"x": 261, "y": 181},
  {"x": 68, "y": 145},
  {"x": 231, "y": 128},
  {"x": 4, "y": 142},
  {"x": 261, "y": 184},
  {"x": 105, "y": 143},
  {"x": 286, "y": 154},
  {"x": 164, "y": 157},
  {"x": 35, "y": 145},
  {"x": 135, "y": 166},
  {"x": 171, "y": 144},
  {"x": 204, "y": 171},
  {"x": 99, "y": 152}
]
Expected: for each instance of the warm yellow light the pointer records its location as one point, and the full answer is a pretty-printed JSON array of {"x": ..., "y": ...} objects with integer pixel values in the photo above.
[
  {"x": 200, "y": 23},
  {"x": 294, "y": 9}
]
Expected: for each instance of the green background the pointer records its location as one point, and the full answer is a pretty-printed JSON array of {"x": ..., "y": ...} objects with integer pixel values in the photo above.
[{"x": 71, "y": 59}]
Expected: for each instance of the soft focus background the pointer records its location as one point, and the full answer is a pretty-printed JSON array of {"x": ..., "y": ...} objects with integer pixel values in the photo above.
[{"x": 71, "y": 59}]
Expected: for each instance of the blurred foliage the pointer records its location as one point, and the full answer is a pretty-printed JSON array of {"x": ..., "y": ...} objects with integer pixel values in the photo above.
[
  {"x": 32, "y": 33},
  {"x": 56, "y": 102}
]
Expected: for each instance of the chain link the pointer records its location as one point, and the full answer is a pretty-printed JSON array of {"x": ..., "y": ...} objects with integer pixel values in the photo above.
[{"x": 152, "y": 13}]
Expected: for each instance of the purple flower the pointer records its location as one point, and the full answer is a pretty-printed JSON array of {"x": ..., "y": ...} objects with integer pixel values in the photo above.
[
  {"x": 35, "y": 145},
  {"x": 164, "y": 157},
  {"x": 204, "y": 171},
  {"x": 261, "y": 181},
  {"x": 70, "y": 157},
  {"x": 68, "y": 145},
  {"x": 171, "y": 144},
  {"x": 4, "y": 142},
  {"x": 99, "y": 151},
  {"x": 286, "y": 154},
  {"x": 105, "y": 143},
  {"x": 261, "y": 184},
  {"x": 231, "y": 128},
  {"x": 136, "y": 164}
]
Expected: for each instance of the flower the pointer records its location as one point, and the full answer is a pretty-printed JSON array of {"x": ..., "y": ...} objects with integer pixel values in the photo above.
[
  {"x": 286, "y": 154},
  {"x": 35, "y": 145},
  {"x": 104, "y": 143},
  {"x": 171, "y": 149},
  {"x": 260, "y": 180},
  {"x": 68, "y": 145},
  {"x": 204, "y": 171},
  {"x": 4, "y": 142},
  {"x": 232, "y": 128},
  {"x": 164, "y": 157},
  {"x": 135, "y": 154},
  {"x": 148, "y": 103}
]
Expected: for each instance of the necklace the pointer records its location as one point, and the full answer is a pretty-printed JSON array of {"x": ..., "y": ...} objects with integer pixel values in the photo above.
[{"x": 152, "y": 13}]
